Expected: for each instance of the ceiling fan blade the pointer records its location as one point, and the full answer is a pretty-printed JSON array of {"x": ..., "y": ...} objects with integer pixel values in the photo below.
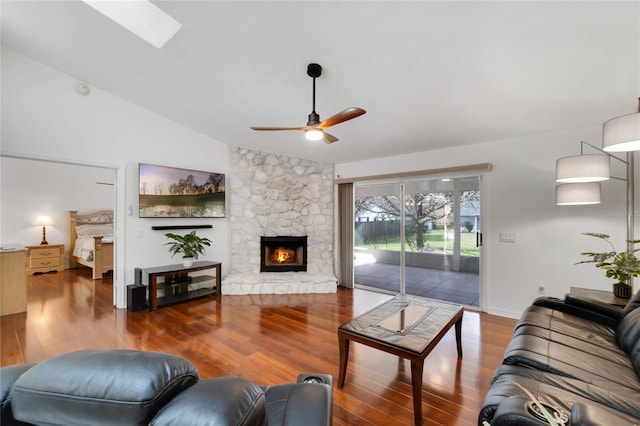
[
  {"x": 279, "y": 128},
  {"x": 341, "y": 117},
  {"x": 329, "y": 138}
]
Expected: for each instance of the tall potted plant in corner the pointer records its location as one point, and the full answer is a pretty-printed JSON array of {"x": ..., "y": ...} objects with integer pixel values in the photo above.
[
  {"x": 620, "y": 266},
  {"x": 190, "y": 245}
]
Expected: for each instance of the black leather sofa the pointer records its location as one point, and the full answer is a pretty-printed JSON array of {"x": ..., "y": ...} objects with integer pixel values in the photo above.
[
  {"x": 126, "y": 387},
  {"x": 579, "y": 358}
]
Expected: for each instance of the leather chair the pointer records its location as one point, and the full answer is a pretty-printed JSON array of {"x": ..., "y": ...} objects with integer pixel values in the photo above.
[{"x": 126, "y": 387}]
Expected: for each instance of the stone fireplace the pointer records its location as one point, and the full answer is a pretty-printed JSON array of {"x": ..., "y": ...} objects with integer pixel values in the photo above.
[
  {"x": 271, "y": 196},
  {"x": 283, "y": 254}
]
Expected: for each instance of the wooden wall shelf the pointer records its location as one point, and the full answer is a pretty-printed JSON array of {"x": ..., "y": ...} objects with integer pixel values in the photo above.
[{"x": 170, "y": 227}]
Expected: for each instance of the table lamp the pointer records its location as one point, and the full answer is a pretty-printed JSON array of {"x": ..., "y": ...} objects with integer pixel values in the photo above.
[{"x": 44, "y": 221}]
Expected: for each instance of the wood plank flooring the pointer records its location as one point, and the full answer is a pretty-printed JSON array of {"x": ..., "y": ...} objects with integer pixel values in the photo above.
[{"x": 267, "y": 339}]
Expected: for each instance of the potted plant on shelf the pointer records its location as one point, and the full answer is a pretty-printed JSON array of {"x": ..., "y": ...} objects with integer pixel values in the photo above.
[
  {"x": 620, "y": 266},
  {"x": 190, "y": 245}
]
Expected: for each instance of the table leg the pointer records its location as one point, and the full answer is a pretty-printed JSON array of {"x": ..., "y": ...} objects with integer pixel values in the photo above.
[
  {"x": 218, "y": 280},
  {"x": 153, "y": 292},
  {"x": 459, "y": 336},
  {"x": 344, "y": 357},
  {"x": 416, "y": 384}
]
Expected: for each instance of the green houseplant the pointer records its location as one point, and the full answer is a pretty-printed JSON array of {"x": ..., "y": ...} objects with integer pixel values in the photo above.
[
  {"x": 620, "y": 266},
  {"x": 190, "y": 245}
]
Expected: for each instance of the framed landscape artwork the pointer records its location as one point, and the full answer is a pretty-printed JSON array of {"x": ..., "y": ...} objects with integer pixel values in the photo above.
[{"x": 173, "y": 192}]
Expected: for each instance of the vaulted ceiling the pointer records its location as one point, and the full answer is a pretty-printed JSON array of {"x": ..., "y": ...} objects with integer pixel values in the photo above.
[{"x": 430, "y": 74}]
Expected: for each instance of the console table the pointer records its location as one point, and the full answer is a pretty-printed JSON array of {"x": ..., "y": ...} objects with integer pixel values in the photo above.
[
  {"x": 177, "y": 280},
  {"x": 599, "y": 295}
]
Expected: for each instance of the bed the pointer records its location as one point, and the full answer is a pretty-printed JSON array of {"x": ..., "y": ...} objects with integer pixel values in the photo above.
[{"x": 91, "y": 241}]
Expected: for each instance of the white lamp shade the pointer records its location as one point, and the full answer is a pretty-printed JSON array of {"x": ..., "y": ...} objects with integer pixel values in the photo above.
[
  {"x": 43, "y": 220},
  {"x": 574, "y": 194},
  {"x": 583, "y": 168},
  {"x": 621, "y": 134}
]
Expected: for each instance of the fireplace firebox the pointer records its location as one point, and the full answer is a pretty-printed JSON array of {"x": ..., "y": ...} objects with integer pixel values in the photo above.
[{"x": 283, "y": 254}]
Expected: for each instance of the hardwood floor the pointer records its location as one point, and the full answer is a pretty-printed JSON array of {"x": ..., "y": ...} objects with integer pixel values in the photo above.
[{"x": 267, "y": 339}]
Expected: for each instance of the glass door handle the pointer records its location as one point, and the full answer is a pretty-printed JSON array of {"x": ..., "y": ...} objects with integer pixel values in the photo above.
[{"x": 478, "y": 239}]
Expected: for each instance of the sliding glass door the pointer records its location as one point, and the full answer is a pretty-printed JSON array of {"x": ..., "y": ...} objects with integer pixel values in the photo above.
[
  {"x": 378, "y": 236},
  {"x": 419, "y": 237}
]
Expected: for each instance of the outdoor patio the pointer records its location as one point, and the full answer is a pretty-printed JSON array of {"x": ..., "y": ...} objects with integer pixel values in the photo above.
[{"x": 455, "y": 287}]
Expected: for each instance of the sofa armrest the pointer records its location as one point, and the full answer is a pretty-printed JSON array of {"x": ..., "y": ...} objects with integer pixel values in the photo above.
[
  {"x": 514, "y": 411},
  {"x": 594, "y": 305},
  {"x": 583, "y": 309},
  {"x": 8, "y": 376},
  {"x": 308, "y": 403}
]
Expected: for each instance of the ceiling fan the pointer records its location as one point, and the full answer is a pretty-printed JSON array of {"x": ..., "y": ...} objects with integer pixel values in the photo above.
[{"x": 314, "y": 130}]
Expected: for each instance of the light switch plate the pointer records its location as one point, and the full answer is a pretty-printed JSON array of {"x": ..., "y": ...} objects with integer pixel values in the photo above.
[{"x": 507, "y": 237}]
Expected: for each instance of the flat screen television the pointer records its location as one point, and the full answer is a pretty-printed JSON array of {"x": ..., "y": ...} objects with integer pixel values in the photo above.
[{"x": 173, "y": 192}]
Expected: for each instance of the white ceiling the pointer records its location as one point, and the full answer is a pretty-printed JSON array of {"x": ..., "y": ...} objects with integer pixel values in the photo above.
[{"x": 430, "y": 74}]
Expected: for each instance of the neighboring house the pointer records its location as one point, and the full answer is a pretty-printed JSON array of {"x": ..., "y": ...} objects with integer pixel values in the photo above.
[{"x": 470, "y": 214}]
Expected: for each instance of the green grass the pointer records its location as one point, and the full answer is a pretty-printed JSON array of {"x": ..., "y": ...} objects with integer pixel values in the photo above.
[{"x": 432, "y": 240}]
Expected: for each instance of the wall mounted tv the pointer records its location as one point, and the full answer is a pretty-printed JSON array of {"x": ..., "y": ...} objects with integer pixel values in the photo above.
[{"x": 172, "y": 192}]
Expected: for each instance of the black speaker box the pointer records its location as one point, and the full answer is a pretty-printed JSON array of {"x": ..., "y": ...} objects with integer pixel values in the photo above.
[
  {"x": 136, "y": 297},
  {"x": 137, "y": 276}
]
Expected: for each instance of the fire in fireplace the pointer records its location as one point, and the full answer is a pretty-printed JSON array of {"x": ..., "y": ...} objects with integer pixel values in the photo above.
[{"x": 283, "y": 254}]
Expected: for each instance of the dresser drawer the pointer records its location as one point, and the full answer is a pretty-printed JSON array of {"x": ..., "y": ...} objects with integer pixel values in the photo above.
[
  {"x": 44, "y": 253},
  {"x": 44, "y": 263}
]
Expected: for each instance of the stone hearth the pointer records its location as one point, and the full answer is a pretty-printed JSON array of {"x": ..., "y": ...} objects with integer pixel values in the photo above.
[
  {"x": 279, "y": 283},
  {"x": 273, "y": 195}
]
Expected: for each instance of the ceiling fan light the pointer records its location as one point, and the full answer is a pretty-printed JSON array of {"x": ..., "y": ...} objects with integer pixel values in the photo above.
[
  {"x": 621, "y": 134},
  {"x": 583, "y": 168},
  {"x": 575, "y": 194},
  {"x": 313, "y": 134}
]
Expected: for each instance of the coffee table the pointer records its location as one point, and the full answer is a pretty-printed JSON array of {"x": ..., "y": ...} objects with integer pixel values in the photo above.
[{"x": 407, "y": 326}]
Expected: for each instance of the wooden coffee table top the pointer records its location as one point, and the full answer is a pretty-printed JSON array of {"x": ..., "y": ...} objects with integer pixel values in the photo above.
[{"x": 412, "y": 330}]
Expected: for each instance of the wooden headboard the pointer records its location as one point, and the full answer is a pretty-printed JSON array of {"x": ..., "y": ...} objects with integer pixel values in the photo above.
[{"x": 95, "y": 218}]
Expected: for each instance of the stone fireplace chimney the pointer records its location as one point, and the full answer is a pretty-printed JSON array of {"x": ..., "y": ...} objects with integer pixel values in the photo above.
[{"x": 273, "y": 195}]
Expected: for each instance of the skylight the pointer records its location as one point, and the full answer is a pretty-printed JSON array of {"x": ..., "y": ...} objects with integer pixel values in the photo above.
[{"x": 141, "y": 17}]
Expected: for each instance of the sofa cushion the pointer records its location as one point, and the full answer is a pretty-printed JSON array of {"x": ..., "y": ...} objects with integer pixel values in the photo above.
[
  {"x": 100, "y": 387},
  {"x": 633, "y": 304},
  {"x": 592, "y": 343},
  {"x": 223, "y": 401},
  {"x": 587, "y": 366},
  {"x": 564, "y": 323}
]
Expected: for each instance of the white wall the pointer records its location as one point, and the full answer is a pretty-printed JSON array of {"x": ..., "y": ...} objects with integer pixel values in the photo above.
[
  {"x": 518, "y": 196},
  {"x": 31, "y": 188},
  {"x": 44, "y": 118}
]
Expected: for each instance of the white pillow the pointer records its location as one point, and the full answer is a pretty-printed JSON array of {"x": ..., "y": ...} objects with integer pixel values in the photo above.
[{"x": 94, "y": 230}]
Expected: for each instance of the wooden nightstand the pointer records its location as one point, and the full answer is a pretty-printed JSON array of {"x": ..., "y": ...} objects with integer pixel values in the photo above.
[{"x": 45, "y": 258}]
